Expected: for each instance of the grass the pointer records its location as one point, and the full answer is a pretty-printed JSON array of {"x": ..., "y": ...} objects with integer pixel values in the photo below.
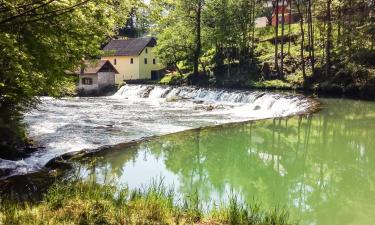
[
  {"x": 271, "y": 84},
  {"x": 87, "y": 202}
]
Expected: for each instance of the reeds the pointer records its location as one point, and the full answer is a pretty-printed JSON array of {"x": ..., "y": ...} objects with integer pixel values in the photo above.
[{"x": 87, "y": 202}]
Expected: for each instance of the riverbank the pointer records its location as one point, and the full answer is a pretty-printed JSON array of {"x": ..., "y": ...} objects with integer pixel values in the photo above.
[
  {"x": 323, "y": 89},
  {"x": 348, "y": 76},
  {"x": 86, "y": 202}
]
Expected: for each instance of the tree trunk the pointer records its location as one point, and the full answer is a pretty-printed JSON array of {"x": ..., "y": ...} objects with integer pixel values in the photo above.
[
  {"x": 282, "y": 40},
  {"x": 178, "y": 70},
  {"x": 198, "y": 44},
  {"x": 302, "y": 41},
  {"x": 290, "y": 24},
  {"x": 311, "y": 48},
  {"x": 329, "y": 38},
  {"x": 253, "y": 30},
  {"x": 276, "y": 36}
]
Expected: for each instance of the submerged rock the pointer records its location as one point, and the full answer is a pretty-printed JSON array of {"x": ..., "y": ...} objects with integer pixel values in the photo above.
[{"x": 208, "y": 107}]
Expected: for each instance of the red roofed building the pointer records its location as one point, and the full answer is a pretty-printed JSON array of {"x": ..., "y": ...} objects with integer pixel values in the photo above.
[{"x": 288, "y": 15}]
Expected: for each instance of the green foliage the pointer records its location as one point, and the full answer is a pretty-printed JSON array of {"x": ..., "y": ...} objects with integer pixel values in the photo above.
[
  {"x": 228, "y": 40},
  {"x": 226, "y": 29},
  {"x": 271, "y": 84},
  {"x": 40, "y": 40},
  {"x": 87, "y": 202},
  {"x": 173, "y": 79}
]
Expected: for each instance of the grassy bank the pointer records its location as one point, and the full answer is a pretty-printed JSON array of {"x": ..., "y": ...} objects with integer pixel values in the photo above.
[{"x": 86, "y": 202}]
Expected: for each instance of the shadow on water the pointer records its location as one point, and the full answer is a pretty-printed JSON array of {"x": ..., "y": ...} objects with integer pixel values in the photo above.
[{"x": 321, "y": 166}]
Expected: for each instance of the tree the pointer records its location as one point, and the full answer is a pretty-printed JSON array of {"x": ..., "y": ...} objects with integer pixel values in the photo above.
[
  {"x": 40, "y": 40},
  {"x": 329, "y": 37},
  {"x": 282, "y": 38},
  {"x": 302, "y": 30},
  {"x": 276, "y": 35},
  {"x": 311, "y": 36}
]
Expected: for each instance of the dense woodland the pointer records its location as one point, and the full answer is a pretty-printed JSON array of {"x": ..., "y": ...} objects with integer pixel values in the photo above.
[
  {"x": 331, "y": 43},
  {"x": 204, "y": 42}
]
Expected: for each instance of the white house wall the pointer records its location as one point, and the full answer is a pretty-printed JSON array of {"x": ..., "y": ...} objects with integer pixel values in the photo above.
[
  {"x": 106, "y": 79},
  {"x": 92, "y": 87}
]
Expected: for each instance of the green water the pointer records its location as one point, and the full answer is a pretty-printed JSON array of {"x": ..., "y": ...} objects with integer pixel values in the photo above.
[{"x": 321, "y": 166}]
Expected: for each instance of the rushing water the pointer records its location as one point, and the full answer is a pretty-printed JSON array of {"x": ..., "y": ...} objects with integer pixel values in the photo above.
[
  {"x": 138, "y": 111},
  {"x": 321, "y": 166}
]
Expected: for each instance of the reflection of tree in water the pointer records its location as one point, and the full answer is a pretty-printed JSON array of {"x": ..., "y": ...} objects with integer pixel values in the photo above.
[
  {"x": 323, "y": 166},
  {"x": 318, "y": 164}
]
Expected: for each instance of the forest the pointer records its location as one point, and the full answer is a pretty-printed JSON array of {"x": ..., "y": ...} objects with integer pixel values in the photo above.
[{"x": 329, "y": 45}]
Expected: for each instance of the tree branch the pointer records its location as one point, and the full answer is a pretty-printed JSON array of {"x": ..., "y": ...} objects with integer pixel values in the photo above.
[
  {"x": 56, "y": 13},
  {"x": 4, "y": 8},
  {"x": 26, "y": 12}
]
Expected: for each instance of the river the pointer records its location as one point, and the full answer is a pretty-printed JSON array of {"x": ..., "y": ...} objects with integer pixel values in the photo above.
[
  {"x": 320, "y": 166},
  {"x": 140, "y": 111}
]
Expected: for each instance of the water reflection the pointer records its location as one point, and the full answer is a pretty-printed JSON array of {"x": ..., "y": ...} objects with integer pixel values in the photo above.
[{"x": 321, "y": 166}]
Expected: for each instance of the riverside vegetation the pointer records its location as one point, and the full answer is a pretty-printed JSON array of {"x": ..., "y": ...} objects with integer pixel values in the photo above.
[
  {"x": 212, "y": 42},
  {"x": 87, "y": 202},
  {"x": 328, "y": 49}
]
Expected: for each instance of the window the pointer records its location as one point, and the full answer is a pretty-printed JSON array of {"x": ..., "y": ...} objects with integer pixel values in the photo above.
[
  {"x": 87, "y": 81},
  {"x": 154, "y": 61},
  {"x": 131, "y": 61},
  {"x": 145, "y": 60},
  {"x": 115, "y": 61},
  {"x": 146, "y": 50}
]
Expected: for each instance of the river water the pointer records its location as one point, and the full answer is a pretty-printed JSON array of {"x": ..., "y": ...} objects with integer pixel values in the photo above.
[
  {"x": 320, "y": 166},
  {"x": 139, "y": 111}
]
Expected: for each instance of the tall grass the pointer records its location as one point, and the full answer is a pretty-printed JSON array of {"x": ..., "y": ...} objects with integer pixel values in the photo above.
[{"x": 87, "y": 202}]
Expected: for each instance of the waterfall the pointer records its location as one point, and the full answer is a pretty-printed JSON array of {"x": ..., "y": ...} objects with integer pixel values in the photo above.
[{"x": 273, "y": 104}]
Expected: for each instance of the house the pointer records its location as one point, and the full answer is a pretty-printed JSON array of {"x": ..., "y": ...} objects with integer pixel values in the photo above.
[
  {"x": 96, "y": 76},
  {"x": 261, "y": 22},
  {"x": 283, "y": 6},
  {"x": 133, "y": 58}
]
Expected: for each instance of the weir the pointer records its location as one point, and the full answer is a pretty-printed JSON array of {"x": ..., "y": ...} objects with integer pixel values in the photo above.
[{"x": 270, "y": 104}]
